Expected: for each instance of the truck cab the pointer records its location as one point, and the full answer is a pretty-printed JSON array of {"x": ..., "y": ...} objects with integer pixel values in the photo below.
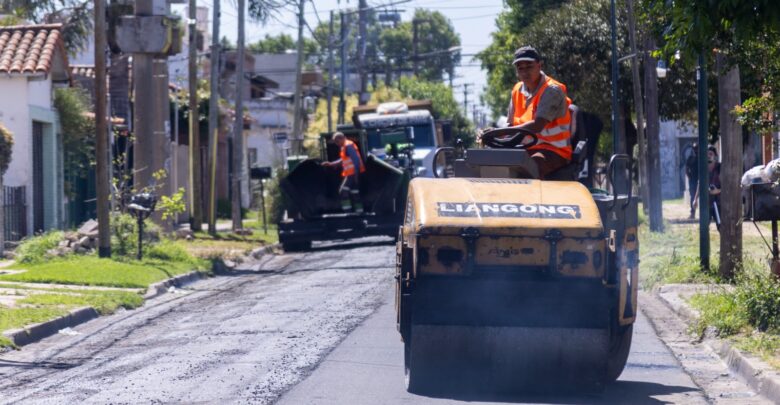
[{"x": 408, "y": 125}]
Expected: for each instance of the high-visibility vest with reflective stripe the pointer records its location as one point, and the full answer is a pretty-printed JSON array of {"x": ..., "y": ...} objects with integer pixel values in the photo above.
[
  {"x": 347, "y": 166},
  {"x": 556, "y": 135}
]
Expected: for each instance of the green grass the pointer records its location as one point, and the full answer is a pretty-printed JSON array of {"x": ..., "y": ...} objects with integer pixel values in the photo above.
[
  {"x": 94, "y": 271},
  {"x": 721, "y": 311},
  {"x": 40, "y": 307},
  {"x": 671, "y": 257},
  {"x": 33, "y": 250},
  {"x": 13, "y": 318}
]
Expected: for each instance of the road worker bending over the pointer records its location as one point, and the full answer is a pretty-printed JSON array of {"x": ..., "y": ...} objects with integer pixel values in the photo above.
[{"x": 351, "y": 168}]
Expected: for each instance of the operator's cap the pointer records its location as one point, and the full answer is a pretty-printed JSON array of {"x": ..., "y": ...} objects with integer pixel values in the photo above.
[{"x": 526, "y": 53}]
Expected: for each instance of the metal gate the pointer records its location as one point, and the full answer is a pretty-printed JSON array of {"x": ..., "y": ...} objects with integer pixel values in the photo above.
[{"x": 15, "y": 212}]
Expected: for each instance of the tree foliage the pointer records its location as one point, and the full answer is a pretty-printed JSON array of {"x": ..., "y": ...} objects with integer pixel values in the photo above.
[
  {"x": 391, "y": 46},
  {"x": 282, "y": 43},
  {"x": 6, "y": 147},
  {"x": 78, "y": 133}
]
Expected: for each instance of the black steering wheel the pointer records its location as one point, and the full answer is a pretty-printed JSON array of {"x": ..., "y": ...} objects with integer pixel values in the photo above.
[{"x": 513, "y": 141}]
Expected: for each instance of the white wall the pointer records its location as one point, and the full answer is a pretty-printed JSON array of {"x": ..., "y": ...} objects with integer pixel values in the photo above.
[
  {"x": 14, "y": 114},
  {"x": 670, "y": 134},
  {"x": 40, "y": 93}
]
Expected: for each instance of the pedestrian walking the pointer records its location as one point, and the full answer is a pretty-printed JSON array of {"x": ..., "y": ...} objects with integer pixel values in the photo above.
[{"x": 692, "y": 173}]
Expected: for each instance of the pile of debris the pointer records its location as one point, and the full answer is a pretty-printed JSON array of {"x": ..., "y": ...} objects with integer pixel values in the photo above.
[{"x": 84, "y": 240}]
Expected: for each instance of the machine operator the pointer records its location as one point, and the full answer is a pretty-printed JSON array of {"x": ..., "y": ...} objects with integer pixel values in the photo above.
[
  {"x": 539, "y": 104},
  {"x": 351, "y": 168}
]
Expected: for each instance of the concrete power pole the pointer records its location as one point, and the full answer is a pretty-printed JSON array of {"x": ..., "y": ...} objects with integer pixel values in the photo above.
[
  {"x": 238, "y": 127},
  {"x": 101, "y": 150},
  {"x": 214, "y": 120},
  {"x": 362, "y": 31},
  {"x": 297, "y": 99},
  {"x": 653, "y": 143},
  {"x": 196, "y": 179},
  {"x": 330, "y": 72}
]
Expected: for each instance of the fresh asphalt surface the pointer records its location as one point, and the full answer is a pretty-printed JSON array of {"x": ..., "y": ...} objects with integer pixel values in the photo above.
[{"x": 304, "y": 328}]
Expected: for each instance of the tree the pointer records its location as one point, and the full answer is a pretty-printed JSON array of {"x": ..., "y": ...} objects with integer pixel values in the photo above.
[
  {"x": 282, "y": 43},
  {"x": 6, "y": 147},
  {"x": 435, "y": 38},
  {"x": 497, "y": 57}
]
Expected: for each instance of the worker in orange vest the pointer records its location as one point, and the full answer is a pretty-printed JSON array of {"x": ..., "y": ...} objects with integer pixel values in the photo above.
[
  {"x": 351, "y": 168},
  {"x": 539, "y": 104}
]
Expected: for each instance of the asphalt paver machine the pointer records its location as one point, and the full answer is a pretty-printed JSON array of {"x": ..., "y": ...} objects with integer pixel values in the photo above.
[{"x": 508, "y": 282}]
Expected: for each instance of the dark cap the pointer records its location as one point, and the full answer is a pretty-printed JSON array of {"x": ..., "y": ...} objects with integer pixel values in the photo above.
[{"x": 526, "y": 53}]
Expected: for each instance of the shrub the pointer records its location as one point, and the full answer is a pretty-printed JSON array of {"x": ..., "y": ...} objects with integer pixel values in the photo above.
[
  {"x": 758, "y": 295},
  {"x": 721, "y": 311},
  {"x": 275, "y": 199},
  {"x": 124, "y": 234},
  {"x": 33, "y": 250}
]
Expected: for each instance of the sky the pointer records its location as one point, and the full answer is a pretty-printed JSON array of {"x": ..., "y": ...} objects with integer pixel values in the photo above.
[{"x": 473, "y": 20}]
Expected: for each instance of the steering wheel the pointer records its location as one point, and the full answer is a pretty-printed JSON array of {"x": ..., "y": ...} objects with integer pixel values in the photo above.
[{"x": 514, "y": 141}]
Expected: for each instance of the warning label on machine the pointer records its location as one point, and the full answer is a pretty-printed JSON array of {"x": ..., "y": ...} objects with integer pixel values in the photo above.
[{"x": 508, "y": 210}]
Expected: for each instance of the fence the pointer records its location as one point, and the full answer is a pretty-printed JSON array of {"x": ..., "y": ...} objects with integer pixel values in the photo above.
[{"x": 15, "y": 211}]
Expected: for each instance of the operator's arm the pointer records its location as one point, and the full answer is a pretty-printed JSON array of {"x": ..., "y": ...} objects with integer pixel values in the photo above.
[
  {"x": 333, "y": 163},
  {"x": 552, "y": 105}
]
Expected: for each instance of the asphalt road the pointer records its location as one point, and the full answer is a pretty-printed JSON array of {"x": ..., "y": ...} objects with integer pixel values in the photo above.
[{"x": 306, "y": 328}]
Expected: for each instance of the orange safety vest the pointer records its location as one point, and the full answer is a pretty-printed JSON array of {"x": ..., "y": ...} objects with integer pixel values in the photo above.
[
  {"x": 347, "y": 166},
  {"x": 556, "y": 136}
]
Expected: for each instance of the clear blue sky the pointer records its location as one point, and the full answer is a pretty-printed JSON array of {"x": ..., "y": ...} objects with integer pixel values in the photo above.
[{"x": 473, "y": 20}]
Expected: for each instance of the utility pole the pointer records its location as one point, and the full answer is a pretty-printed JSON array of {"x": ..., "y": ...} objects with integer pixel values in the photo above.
[
  {"x": 298, "y": 116},
  {"x": 615, "y": 131},
  {"x": 466, "y": 98},
  {"x": 101, "y": 128},
  {"x": 653, "y": 164},
  {"x": 329, "y": 90},
  {"x": 640, "y": 127},
  {"x": 238, "y": 127},
  {"x": 361, "y": 51},
  {"x": 214, "y": 119},
  {"x": 731, "y": 168},
  {"x": 344, "y": 18},
  {"x": 196, "y": 217},
  {"x": 704, "y": 195}
]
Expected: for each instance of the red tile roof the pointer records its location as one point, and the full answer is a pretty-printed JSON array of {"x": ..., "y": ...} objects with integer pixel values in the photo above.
[{"x": 30, "y": 49}]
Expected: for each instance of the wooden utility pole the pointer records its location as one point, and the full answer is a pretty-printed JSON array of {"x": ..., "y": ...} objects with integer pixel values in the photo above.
[
  {"x": 297, "y": 139},
  {"x": 214, "y": 120},
  {"x": 730, "y": 169},
  {"x": 238, "y": 127},
  {"x": 653, "y": 165},
  {"x": 101, "y": 130},
  {"x": 329, "y": 90},
  {"x": 196, "y": 178}
]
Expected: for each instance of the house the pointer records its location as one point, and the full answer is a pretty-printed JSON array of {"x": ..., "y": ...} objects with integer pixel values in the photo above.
[{"x": 33, "y": 62}]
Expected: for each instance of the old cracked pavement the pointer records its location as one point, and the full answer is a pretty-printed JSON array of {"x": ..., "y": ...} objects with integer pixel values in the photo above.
[{"x": 305, "y": 328}]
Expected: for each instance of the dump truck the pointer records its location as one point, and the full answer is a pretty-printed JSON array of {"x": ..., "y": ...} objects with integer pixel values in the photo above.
[
  {"x": 507, "y": 282},
  {"x": 396, "y": 142}
]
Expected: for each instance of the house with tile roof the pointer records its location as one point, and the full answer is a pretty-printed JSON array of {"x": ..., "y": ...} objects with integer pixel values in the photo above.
[{"x": 33, "y": 62}]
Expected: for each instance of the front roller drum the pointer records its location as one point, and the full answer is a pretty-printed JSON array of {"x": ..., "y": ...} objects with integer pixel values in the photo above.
[{"x": 505, "y": 359}]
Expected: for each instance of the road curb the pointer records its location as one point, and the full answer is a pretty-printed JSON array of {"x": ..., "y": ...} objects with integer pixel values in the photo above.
[
  {"x": 161, "y": 287},
  {"x": 759, "y": 376},
  {"x": 35, "y": 332}
]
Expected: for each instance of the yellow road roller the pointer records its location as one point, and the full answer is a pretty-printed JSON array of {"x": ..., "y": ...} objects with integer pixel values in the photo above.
[{"x": 513, "y": 283}]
